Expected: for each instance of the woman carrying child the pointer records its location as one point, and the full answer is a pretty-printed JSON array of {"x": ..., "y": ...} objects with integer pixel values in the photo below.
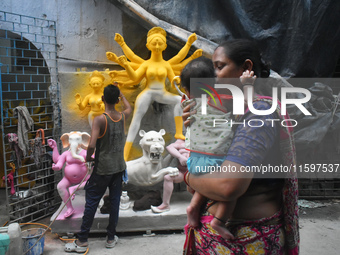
[{"x": 264, "y": 219}]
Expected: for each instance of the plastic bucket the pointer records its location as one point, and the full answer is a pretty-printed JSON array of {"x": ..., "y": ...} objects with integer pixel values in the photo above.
[{"x": 30, "y": 237}]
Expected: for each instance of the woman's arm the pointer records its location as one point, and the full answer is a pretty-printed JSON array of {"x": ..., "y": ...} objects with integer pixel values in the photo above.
[
  {"x": 221, "y": 186},
  {"x": 250, "y": 146},
  {"x": 187, "y": 113}
]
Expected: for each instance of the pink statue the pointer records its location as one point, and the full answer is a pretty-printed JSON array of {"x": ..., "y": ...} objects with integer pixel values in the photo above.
[
  {"x": 177, "y": 150},
  {"x": 75, "y": 169}
]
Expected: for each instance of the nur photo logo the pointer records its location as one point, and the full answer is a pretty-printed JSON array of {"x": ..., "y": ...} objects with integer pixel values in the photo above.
[
  {"x": 206, "y": 89},
  {"x": 214, "y": 91},
  {"x": 238, "y": 99}
]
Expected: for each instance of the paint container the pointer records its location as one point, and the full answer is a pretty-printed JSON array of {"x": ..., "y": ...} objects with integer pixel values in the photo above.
[{"x": 30, "y": 238}]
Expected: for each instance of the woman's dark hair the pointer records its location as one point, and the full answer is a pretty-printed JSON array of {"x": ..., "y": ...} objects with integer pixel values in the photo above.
[
  {"x": 111, "y": 94},
  {"x": 201, "y": 67},
  {"x": 238, "y": 50}
]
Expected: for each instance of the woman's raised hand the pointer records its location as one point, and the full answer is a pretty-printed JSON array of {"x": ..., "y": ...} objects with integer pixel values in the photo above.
[{"x": 187, "y": 114}]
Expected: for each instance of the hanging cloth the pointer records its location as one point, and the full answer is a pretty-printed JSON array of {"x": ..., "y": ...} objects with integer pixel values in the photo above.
[
  {"x": 25, "y": 124},
  {"x": 37, "y": 150},
  {"x": 16, "y": 151}
]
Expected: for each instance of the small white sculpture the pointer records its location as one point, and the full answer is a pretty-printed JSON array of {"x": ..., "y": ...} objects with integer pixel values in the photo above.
[
  {"x": 124, "y": 201},
  {"x": 149, "y": 169}
]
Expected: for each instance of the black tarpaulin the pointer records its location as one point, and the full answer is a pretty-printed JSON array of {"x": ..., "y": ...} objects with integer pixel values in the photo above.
[{"x": 300, "y": 38}]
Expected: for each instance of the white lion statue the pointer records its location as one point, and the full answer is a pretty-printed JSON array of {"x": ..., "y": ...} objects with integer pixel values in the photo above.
[{"x": 150, "y": 169}]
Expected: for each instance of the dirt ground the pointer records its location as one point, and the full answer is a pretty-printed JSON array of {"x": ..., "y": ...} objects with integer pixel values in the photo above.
[
  {"x": 320, "y": 228},
  {"x": 319, "y": 231}
]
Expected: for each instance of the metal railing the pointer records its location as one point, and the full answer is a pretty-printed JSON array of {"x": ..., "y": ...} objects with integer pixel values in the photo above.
[{"x": 28, "y": 54}]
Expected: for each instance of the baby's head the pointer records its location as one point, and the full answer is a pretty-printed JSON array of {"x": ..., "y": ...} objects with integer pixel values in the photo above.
[{"x": 201, "y": 67}]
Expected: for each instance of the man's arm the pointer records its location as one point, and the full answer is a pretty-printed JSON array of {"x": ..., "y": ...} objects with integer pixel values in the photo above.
[
  {"x": 127, "y": 111},
  {"x": 98, "y": 122}
]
